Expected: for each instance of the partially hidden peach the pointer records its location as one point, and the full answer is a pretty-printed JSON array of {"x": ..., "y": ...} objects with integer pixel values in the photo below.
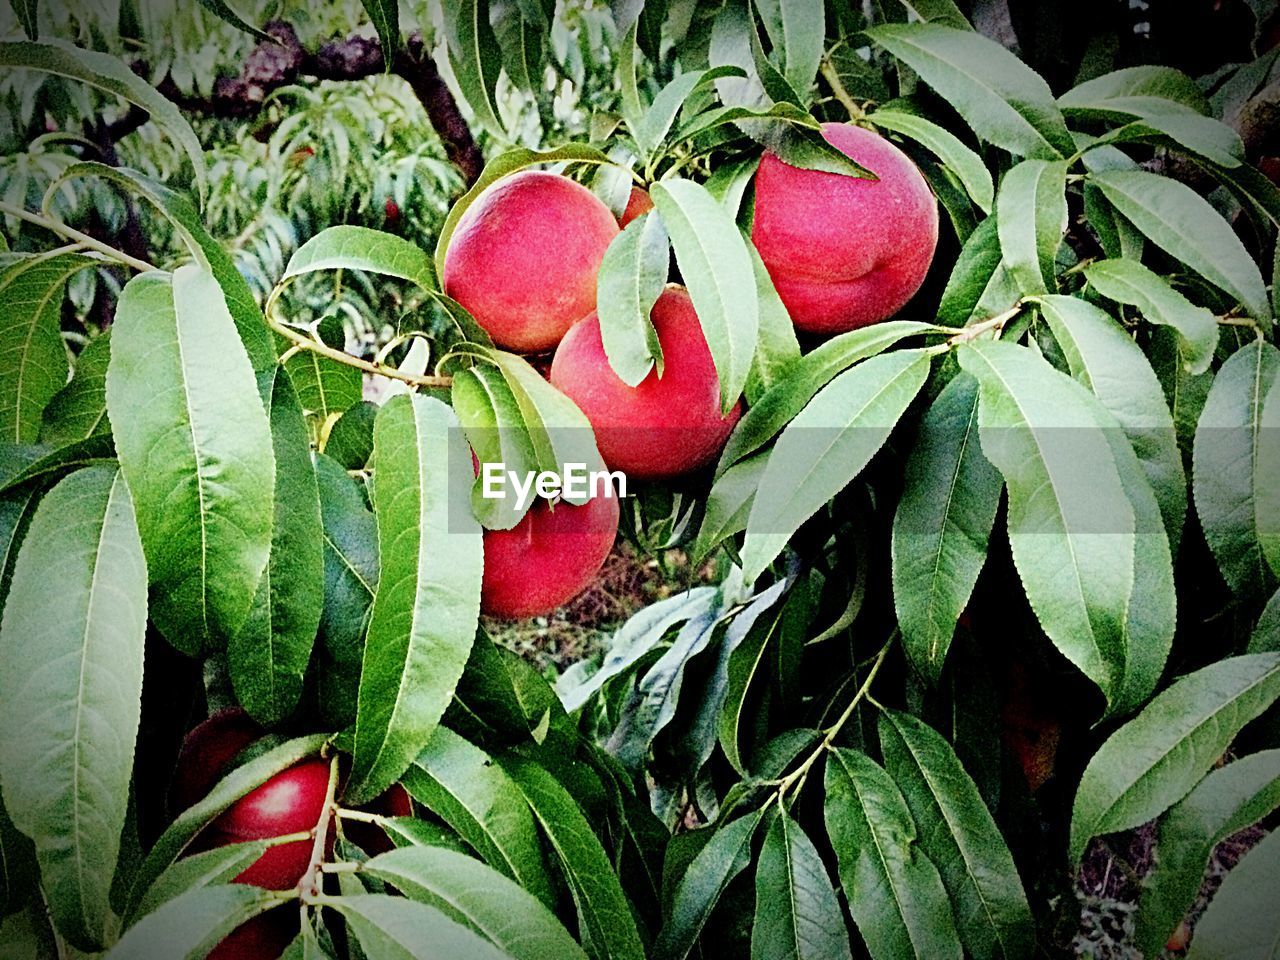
[
  {"x": 665, "y": 425},
  {"x": 844, "y": 252},
  {"x": 638, "y": 203},
  {"x": 548, "y": 558},
  {"x": 525, "y": 255},
  {"x": 265, "y": 937}
]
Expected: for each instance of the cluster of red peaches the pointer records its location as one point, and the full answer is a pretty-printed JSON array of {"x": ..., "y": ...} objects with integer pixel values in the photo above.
[{"x": 842, "y": 252}]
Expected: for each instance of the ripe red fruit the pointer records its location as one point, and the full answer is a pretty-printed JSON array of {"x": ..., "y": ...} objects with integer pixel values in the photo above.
[
  {"x": 666, "y": 425},
  {"x": 392, "y": 210},
  {"x": 845, "y": 252},
  {"x": 290, "y": 802},
  {"x": 207, "y": 754},
  {"x": 265, "y": 937},
  {"x": 525, "y": 255},
  {"x": 548, "y": 558},
  {"x": 638, "y": 203}
]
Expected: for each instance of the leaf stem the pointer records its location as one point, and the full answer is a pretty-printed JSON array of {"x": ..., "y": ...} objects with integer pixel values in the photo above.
[
  {"x": 309, "y": 885},
  {"x": 995, "y": 323},
  {"x": 359, "y": 816},
  {"x": 82, "y": 239}
]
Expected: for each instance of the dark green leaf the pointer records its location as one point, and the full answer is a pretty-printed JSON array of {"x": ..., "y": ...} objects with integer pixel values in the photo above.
[
  {"x": 28, "y": 14},
  {"x": 79, "y": 410},
  {"x": 189, "y": 927},
  {"x": 350, "y": 562},
  {"x": 1241, "y": 922},
  {"x": 980, "y": 284},
  {"x": 324, "y": 388},
  {"x": 204, "y": 869},
  {"x": 385, "y": 16},
  {"x": 796, "y": 29},
  {"x": 428, "y": 601},
  {"x": 1135, "y": 91},
  {"x": 476, "y": 59},
  {"x": 797, "y": 914},
  {"x": 350, "y": 440},
  {"x": 71, "y": 680},
  {"x": 1032, "y": 217},
  {"x": 1266, "y": 634},
  {"x": 777, "y": 350},
  {"x": 224, "y": 11},
  {"x": 19, "y": 873}
]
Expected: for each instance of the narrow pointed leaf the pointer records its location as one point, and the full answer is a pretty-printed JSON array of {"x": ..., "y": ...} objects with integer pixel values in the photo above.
[
  {"x": 204, "y": 869},
  {"x": 797, "y": 914},
  {"x": 476, "y": 59},
  {"x": 1242, "y": 922},
  {"x": 1135, "y": 91},
  {"x": 796, "y": 30},
  {"x": 71, "y": 680},
  {"x": 777, "y": 349},
  {"x": 826, "y": 446},
  {"x": 631, "y": 278},
  {"x": 385, "y": 16},
  {"x": 79, "y": 410},
  {"x": 428, "y": 600},
  {"x": 395, "y": 928},
  {"x": 350, "y": 537},
  {"x": 942, "y": 525},
  {"x": 189, "y": 927},
  {"x": 948, "y": 148},
  {"x": 655, "y": 123},
  {"x": 1031, "y": 211},
  {"x": 1155, "y": 759}
]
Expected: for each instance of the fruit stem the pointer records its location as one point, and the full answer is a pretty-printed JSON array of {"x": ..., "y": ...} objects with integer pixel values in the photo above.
[
  {"x": 359, "y": 816},
  {"x": 303, "y": 342},
  {"x": 995, "y": 323},
  {"x": 309, "y": 884},
  {"x": 83, "y": 239},
  {"x": 832, "y": 76}
]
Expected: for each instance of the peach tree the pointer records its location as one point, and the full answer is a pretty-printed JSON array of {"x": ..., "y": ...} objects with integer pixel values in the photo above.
[{"x": 964, "y": 385}]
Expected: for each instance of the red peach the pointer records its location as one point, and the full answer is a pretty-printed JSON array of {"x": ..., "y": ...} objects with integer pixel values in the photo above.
[
  {"x": 265, "y": 937},
  {"x": 845, "y": 252},
  {"x": 290, "y": 802},
  {"x": 638, "y": 203},
  {"x": 666, "y": 425},
  {"x": 548, "y": 558},
  {"x": 525, "y": 255},
  {"x": 208, "y": 752}
]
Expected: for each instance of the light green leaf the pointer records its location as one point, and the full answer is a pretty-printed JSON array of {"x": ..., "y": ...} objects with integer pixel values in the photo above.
[
  {"x": 797, "y": 914},
  {"x": 1001, "y": 98},
  {"x": 33, "y": 360},
  {"x": 195, "y": 445},
  {"x": 476, "y": 59},
  {"x": 71, "y": 680},
  {"x": 777, "y": 349},
  {"x": 1127, "y": 281},
  {"x": 395, "y": 928},
  {"x": 632, "y": 276},
  {"x": 942, "y": 525},
  {"x": 729, "y": 504},
  {"x": 496, "y": 431},
  {"x": 1031, "y": 211},
  {"x": 205, "y": 869},
  {"x": 796, "y": 29},
  {"x": 894, "y": 890},
  {"x": 1071, "y": 525},
  {"x": 361, "y": 248},
  {"x": 1183, "y": 224},
  {"x": 1234, "y": 497},
  {"x": 473, "y": 894},
  {"x": 189, "y": 927},
  {"x": 1223, "y": 803},
  {"x": 826, "y": 446},
  {"x": 725, "y": 856},
  {"x": 718, "y": 271},
  {"x": 111, "y": 75},
  {"x": 655, "y": 123},
  {"x": 959, "y": 835},
  {"x": 980, "y": 284},
  {"x": 1155, "y": 759},
  {"x": 79, "y": 410},
  {"x": 1135, "y": 91},
  {"x": 1241, "y": 922},
  {"x": 464, "y": 787},
  {"x": 385, "y": 16},
  {"x": 324, "y": 388},
  {"x": 947, "y": 147},
  {"x": 428, "y": 601},
  {"x": 268, "y": 657}
]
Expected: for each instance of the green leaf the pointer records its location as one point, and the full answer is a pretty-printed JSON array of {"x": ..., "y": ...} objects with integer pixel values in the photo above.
[
  {"x": 1155, "y": 759},
  {"x": 785, "y": 399},
  {"x": 1266, "y": 634},
  {"x": 394, "y": 928},
  {"x": 632, "y": 276},
  {"x": 521, "y": 42},
  {"x": 895, "y": 893},
  {"x": 942, "y": 525},
  {"x": 1127, "y": 281},
  {"x": 1032, "y": 217},
  {"x": 500, "y": 166},
  {"x": 205, "y": 869},
  {"x": 79, "y": 410},
  {"x": 777, "y": 350},
  {"x": 796, "y": 29},
  {"x": 473, "y": 894},
  {"x": 1241, "y": 922},
  {"x": 947, "y": 147},
  {"x": 33, "y": 360},
  {"x": 704, "y": 881},
  {"x": 71, "y": 680},
  {"x": 1001, "y": 98},
  {"x": 958, "y": 834},
  {"x": 476, "y": 59},
  {"x": 729, "y": 504},
  {"x": 826, "y": 446},
  {"x": 189, "y": 927},
  {"x": 188, "y": 824},
  {"x": 35, "y": 464},
  {"x": 1103, "y": 356},
  {"x": 1223, "y": 803},
  {"x": 496, "y": 431},
  {"x": 1070, "y": 523},
  {"x": 224, "y": 11},
  {"x": 428, "y": 601},
  {"x": 195, "y": 444},
  {"x": 464, "y": 787},
  {"x": 604, "y": 915},
  {"x": 350, "y": 536},
  {"x": 111, "y": 75},
  {"x": 717, "y": 269},
  {"x": 350, "y": 440},
  {"x": 980, "y": 284},
  {"x": 655, "y": 123},
  {"x": 1185, "y": 132},
  {"x": 797, "y": 914},
  {"x": 27, "y": 12},
  {"x": 385, "y": 16},
  {"x": 189, "y": 226},
  {"x": 1183, "y": 224},
  {"x": 1134, "y": 91},
  {"x": 268, "y": 658},
  {"x": 19, "y": 873},
  {"x": 1234, "y": 497},
  {"x": 361, "y": 248},
  {"x": 324, "y": 388}
]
